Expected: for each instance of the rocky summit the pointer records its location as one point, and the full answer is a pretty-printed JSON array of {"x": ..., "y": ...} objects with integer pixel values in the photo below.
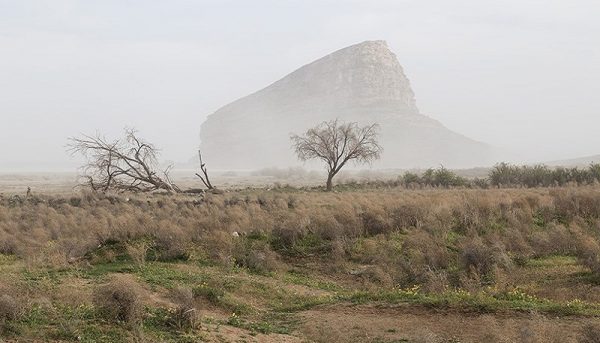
[{"x": 363, "y": 83}]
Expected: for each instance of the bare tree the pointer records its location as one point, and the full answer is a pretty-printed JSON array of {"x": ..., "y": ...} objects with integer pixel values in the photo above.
[
  {"x": 205, "y": 179},
  {"x": 126, "y": 164},
  {"x": 338, "y": 143}
]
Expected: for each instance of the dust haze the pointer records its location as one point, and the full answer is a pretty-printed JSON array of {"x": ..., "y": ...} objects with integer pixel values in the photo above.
[{"x": 519, "y": 77}]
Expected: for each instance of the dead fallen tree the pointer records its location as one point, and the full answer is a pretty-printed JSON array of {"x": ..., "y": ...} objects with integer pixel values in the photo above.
[{"x": 125, "y": 164}]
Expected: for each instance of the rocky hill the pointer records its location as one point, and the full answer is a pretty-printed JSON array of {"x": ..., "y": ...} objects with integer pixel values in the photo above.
[{"x": 363, "y": 83}]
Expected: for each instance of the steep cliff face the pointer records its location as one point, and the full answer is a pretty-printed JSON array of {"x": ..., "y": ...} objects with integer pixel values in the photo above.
[{"x": 363, "y": 83}]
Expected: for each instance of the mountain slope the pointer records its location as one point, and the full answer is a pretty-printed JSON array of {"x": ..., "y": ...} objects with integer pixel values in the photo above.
[{"x": 363, "y": 83}]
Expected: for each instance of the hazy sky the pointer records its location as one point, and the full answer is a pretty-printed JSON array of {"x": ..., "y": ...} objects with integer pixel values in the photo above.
[{"x": 517, "y": 74}]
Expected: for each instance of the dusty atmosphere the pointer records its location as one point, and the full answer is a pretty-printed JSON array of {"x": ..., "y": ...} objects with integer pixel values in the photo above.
[{"x": 299, "y": 171}]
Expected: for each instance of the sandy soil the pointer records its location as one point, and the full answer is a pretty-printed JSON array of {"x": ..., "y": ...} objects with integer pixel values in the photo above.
[{"x": 416, "y": 324}]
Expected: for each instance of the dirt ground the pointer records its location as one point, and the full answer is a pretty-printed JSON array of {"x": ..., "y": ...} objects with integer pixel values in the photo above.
[{"x": 370, "y": 323}]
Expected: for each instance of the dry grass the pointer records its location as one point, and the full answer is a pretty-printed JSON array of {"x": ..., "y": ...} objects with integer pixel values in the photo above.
[
  {"x": 414, "y": 236},
  {"x": 10, "y": 309},
  {"x": 436, "y": 247},
  {"x": 120, "y": 299},
  {"x": 185, "y": 315}
]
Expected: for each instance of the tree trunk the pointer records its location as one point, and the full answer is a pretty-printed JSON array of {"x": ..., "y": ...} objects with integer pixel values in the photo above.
[{"x": 329, "y": 182}]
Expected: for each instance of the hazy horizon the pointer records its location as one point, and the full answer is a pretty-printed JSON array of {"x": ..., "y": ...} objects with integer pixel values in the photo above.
[{"x": 521, "y": 76}]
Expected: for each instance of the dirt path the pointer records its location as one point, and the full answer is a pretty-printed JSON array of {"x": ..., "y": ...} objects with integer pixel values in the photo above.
[{"x": 368, "y": 323}]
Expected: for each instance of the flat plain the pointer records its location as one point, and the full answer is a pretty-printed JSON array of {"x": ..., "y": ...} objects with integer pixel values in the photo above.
[{"x": 369, "y": 262}]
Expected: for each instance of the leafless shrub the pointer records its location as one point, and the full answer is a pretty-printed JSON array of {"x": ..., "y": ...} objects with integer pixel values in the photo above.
[
  {"x": 138, "y": 251},
  {"x": 256, "y": 255},
  {"x": 588, "y": 253},
  {"x": 287, "y": 232},
  {"x": 8, "y": 244},
  {"x": 435, "y": 281},
  {"x": 10, "y": 309},
  {"x": 171, "y": 242},
  {"x": 482, "y": 260},
  {"x": 365, "y": 250},
  {"x": 556, "y": 239},
  {"x": 408, "y": 216},
  {"x": 184, "y": 316},
  {"x": 379, "y": 276},
  {"x": 423, "y": 254},
  {"x": 375, "y": 222},
  {"x": 326, "y": 226},
  {"x": 120, "y": 299},
  {"x": 219, "y": 246}
]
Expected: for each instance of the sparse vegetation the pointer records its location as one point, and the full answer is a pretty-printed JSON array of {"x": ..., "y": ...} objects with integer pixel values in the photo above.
[
  {"x": 507, "y": 175},
  {"x": 440, "y": 177},
  {"x": 120, "y": 300},
  {"x": 104, "y": 267}
]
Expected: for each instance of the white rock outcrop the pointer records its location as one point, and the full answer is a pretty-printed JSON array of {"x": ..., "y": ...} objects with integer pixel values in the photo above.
[{"x": 363, "y": 83}]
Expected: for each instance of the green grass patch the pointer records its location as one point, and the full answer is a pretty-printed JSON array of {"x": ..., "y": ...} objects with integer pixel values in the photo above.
[
  {"x": 66, "y": 323},
  {"x": 298, "y": 278},
  {"x": 167, "y": 275},
  {"x": 481, "y": 302},
  {"x": 552, "y": 261},
  {"x": 267, "y": 325}
]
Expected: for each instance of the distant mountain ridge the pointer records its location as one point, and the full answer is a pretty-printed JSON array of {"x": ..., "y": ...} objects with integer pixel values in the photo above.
[
  {"x": 363, "y": 83},
  {"x": 575, "y": 162}
]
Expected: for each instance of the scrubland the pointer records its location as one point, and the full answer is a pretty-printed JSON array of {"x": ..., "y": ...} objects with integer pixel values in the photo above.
[{"x": 372, "y": 263}]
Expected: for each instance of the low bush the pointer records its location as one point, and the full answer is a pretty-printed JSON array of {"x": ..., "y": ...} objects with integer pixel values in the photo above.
[
  {"x": 10, "y": 308},
  {"x": 120, "y": 299},
  {"x": 483, "y": 260},
  {"x": 256, "y": 255},
  {"x": 184, "y": 315}
]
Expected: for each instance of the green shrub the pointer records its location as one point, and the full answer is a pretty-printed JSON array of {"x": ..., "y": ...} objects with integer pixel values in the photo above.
[{"x": 507, "y": 175}]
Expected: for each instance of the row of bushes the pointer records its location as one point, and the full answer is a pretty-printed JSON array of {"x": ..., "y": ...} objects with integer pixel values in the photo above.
[
  {"x": 508, "y": 175},
  {"x": 505, "y": 175},
  {"x": 440, "y": 177}
]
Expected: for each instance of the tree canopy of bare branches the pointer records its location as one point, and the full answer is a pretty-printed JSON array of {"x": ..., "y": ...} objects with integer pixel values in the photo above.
[
  {"x": 336, "y": 144},
  {"x": 126, "y": 164}
]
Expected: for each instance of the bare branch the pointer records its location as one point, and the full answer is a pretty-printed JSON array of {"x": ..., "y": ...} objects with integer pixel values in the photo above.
[
  {"x": 127, "y": 164},
  {"x": 205, "y": 179}
]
